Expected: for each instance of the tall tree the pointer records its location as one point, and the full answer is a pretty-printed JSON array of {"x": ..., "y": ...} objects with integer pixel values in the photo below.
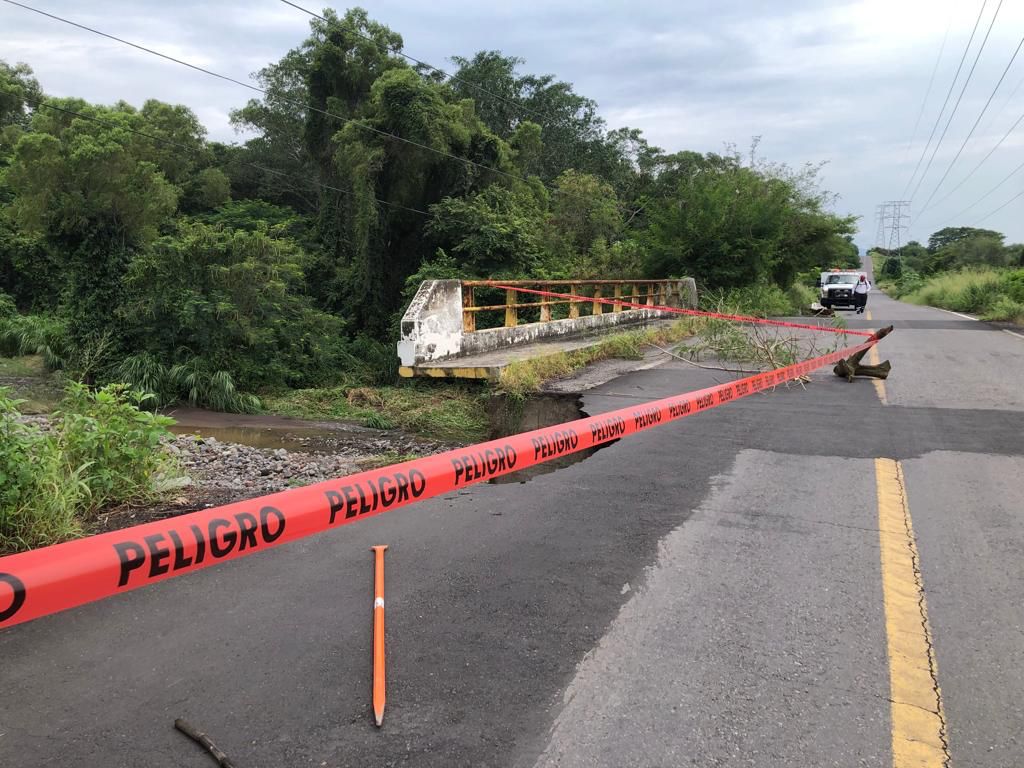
[
  {"x": 85, "y": 187},
  {"x": 284, "y": 165},
  {"x": 732, "y": 224},
  {"x": 571, "y": 130},
  {"x": 18, "y": 89},
  {"x": 949, "y": 235}
]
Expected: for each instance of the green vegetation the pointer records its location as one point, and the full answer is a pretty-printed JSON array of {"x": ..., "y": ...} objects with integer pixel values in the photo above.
[
  {"x": 135, "y": 250},
  {"x": 22, "y": 367},
  {"x": 962, "y": 269},
  {"x": 764, "y": 300},
  {"x": 993, "y": 294},
  {"x": 100, "y": 449},
  {"x": 443, "y": 410},
  {"x": 527, "y": 376},
  {"x": 29, "y": 381}
]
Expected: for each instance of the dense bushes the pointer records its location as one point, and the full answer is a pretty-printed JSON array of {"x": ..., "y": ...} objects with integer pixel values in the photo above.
[
  {"x": 220, "y": 300},
  {"x": 44, "y": 335},
  {"x": 39, "y": 493},
  {"x": 100, "y": 449},
  {"x": 733, "y": 224},
  {"x": 762, "y": 300}
]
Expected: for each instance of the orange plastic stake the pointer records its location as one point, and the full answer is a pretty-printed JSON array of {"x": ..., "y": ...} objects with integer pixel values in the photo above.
[{"x": 378, "y": 633}]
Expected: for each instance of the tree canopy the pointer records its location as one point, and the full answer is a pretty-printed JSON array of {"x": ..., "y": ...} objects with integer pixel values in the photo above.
[{"x": 267, "y": 259}]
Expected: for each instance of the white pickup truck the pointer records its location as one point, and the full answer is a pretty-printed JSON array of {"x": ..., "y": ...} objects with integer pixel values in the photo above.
[{"x": 837, "y": 288}]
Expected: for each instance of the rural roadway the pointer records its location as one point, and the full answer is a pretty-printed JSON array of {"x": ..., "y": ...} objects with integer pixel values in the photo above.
[{"x": 829, "y": 575}]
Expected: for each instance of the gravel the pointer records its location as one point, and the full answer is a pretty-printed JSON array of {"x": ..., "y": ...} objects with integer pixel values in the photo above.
[{"x": 216, "y": 465}]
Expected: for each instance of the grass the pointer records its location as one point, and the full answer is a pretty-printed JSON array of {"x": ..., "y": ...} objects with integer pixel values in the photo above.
[
  {"x": 994, "y": 294},
  {"x": 385, "y": 459},
  {"x": 442, "y": 410},
  {"x": 801, "y": 297},
  {"x": 99, "y": 450},
  {"x": 451, "y": 410},
  {"x": 29, "y": 366},
  {"x": 526, "y": 376},
  {"x": 29, "y": 381},
  {"x": 763, "y": 300}
]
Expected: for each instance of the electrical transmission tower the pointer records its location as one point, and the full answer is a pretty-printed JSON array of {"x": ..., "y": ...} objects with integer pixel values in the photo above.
[
  {"x": 894, "y": 223},
  {"x": 880, "y": 235}
]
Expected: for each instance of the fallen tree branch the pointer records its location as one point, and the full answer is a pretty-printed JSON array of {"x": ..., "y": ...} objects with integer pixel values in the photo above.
[
  {"x": 701, "y": 365},
  {"x": 204, "y": 741}
]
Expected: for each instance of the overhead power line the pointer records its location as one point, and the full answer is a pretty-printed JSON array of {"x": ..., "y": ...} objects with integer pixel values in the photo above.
[
  {"x": 951, "y": 220},
  {"x": 990, "y": 214},
  {"x": 453, "y": 78},
  {"x": 931, "y": 82},
  {"x": 982, "y": 161},
  {"x": 973, "y": 127},
  {"x": 1005, "y": 179},
  {"x": 343, "y": 120},
  {"x": 959, "y": 97},
  {"x": 952, "y": 85}
]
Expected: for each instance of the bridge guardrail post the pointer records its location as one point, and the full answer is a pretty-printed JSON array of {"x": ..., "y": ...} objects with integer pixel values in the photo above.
[
  {"x": 468, "y": 317},
  {"x": 511, "y": 311}
]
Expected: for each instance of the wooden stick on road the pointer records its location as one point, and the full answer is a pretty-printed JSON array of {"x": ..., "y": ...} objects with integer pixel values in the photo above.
[
  {"x": 204, "y": 741},
  {"x": 378, "y": 634}
]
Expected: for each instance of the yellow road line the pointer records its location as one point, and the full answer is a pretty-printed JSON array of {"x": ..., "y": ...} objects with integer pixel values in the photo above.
[
  {"x": 867, "y": 314},
  {"x": 919, "y": 738},
  {"x": 873, "y": 359}
]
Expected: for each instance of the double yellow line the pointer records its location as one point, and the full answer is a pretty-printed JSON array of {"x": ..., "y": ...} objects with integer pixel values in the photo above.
[{"x": 919, "y": 738}]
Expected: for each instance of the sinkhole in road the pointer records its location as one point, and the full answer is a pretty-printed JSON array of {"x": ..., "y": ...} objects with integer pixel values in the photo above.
[{"x": 510, "y": 416}]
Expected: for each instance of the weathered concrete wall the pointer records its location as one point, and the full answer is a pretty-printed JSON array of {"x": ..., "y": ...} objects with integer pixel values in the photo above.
[
  {"x": 432, "y": 326},
  {"x": 687, "y": 291},
  {"x": 499, "y": 338}
]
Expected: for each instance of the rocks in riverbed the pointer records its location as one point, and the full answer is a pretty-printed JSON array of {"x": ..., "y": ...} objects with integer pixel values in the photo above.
[{"x": 218, "y": 465}]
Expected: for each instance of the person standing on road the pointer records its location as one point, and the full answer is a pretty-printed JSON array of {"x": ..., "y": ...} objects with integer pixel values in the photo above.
[{"x": 860, "y": 294}]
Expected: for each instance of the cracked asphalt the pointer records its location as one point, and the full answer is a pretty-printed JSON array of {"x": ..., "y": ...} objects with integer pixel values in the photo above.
[{"x": 706, "y": 593}]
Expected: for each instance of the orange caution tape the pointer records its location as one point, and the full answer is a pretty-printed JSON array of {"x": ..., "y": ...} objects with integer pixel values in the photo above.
[
  {"x": 52, "y": 579},
  {"x": 688, "y": 312}
]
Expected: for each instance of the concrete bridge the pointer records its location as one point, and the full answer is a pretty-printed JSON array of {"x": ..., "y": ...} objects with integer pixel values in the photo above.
[{"x": 474, "y": 328}]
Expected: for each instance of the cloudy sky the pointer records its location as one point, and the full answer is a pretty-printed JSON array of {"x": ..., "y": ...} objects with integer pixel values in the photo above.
[{"x": 828, "y": 80}]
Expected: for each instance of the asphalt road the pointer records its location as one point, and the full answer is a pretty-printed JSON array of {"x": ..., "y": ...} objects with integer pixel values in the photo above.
[{"x": 707, "y": 593}]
